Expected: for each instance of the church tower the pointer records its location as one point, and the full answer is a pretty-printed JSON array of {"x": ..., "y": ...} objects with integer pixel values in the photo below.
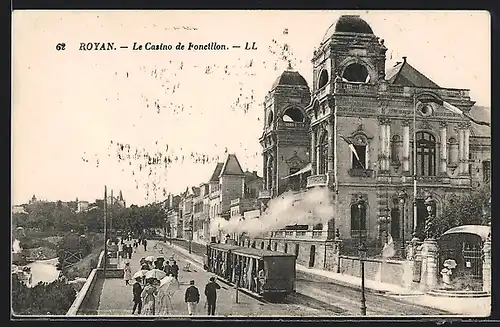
[{"x": 285, "y": 139}]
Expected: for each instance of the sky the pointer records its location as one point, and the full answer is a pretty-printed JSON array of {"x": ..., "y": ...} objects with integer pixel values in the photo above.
[{"x": 85, "y": 119}]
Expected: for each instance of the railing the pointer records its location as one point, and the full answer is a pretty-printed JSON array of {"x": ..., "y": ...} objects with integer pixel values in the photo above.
[
  {"x": 316, "y": 180},
  {"x": 434, "y": 179},
  {"x": 355, "y": 88},
  {"x": 317, "y": 234},
  {"x": 86, "y": 289},
  {"x": 292, "y": 124},
  {"x": 321, "y": 93},
  {"x": 300, "y": 233},
  {"x": 361, "y": 172}
]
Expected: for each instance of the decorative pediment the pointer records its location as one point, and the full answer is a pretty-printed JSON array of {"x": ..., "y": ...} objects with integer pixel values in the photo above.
[
  {"x": 360, "y": 137},
  {"x": 295, "y": 161},
  {"x": 356, "y": 196}
]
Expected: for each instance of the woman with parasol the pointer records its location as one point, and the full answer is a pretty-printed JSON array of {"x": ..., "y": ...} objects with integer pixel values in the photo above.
[
  {"x": 168, "y": 286},
  {"x": 148, "y": 296}
]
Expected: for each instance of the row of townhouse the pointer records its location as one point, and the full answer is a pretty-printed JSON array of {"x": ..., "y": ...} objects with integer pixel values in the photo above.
[{"x": 230, "y": 192}]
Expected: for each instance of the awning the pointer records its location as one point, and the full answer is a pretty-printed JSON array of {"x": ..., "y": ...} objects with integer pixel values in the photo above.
[
  {"x": 307, "y": 168},
  {"x": 479, "y": 230}
]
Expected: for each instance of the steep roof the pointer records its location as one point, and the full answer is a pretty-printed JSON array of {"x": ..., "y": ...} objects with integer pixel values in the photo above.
[
  {"x": 406, "y": 75},
  {"x": 231, "y": 166},
  {"x": 290, "y": 78},
  {"x": 481, "y": 113},
  {"x": 216, "y": 173},
  {"x": 251, "y": 176},
  {"x": 348, "y": 24}
]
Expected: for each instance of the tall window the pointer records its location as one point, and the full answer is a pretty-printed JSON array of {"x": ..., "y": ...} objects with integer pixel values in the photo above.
[
  {"x": 361, "y": 163},
  {"x": 486, "y": 171},
  {"x": 323, "y": 154},
  {"x": 358, "y": 218},
  {"x": 395, "y": 148},
  {"x": 294, "y": 181},
  {"x": 426, "y": 154}
]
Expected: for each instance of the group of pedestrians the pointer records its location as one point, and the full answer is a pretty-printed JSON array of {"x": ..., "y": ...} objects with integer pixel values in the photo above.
[{"x": 192, "y": 296}]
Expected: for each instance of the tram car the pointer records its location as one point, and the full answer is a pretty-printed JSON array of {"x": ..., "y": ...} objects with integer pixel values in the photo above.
[{"x": 269, "y": 274}]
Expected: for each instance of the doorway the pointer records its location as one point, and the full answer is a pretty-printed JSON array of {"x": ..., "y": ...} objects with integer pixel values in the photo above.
[
  {"x": 286, "y": 248},
  {"x": 297, "y": 248},
  {"x": 312, "y": 256}
]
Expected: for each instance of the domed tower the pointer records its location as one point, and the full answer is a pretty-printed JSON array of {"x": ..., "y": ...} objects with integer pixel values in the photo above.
[
  {"x": 351, "y": 51},
  {"x": 285, "y": 140}
]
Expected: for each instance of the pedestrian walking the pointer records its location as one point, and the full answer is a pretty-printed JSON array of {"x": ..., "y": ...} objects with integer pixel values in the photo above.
[
  {"x": 127, "y": 273},
  {"x": 120, "y": 252},
  {"x": 137, "y": 291},
  {"x": 145, "y": 243},
  {"x": 192, "y": 298},
  {"x": 174, "y": 269},
  {"x": 211, "y": 294},
  {"x": 167, "y": 268},
  {"x": 129, "y": 251},
  {"x": 148, "y": 297}
]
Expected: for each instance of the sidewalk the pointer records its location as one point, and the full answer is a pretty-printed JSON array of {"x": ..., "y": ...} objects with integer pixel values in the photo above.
[{"x": 458, "y": 306}]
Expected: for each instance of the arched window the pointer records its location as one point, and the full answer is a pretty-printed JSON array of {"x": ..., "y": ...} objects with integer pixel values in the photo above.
[
  {"x": 426, "y": 154},
  {"x": 323, "y": 79},
  {"x": 293, "y": 115},
  {"x": 358, "y": 219},
  {"x": 486, "y": 171},
  {"x": 395, "y": 149},
  {"x": 356, "y": 73},
  {"x": 452, "y": 152},
  {"x": 323, "y": 154}
]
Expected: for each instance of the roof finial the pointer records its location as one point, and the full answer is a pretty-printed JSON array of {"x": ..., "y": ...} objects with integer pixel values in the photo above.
[
  {"x": 290, "y": 65},
  {"x": 404, "y": 59}
]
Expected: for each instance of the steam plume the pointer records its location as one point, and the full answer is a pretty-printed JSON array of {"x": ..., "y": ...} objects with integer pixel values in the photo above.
[{"x": 312, "y": 207}]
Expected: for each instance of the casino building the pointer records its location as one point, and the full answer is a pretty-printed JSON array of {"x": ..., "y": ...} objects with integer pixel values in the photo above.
[{"x": 372, "y": 106}]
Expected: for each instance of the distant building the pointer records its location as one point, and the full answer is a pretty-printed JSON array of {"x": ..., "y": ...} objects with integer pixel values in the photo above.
[
  {"x": 18, "y": 209},
  {"x": 174, "y": 222},
  {"x": 82, "y": 206},
  {"x": 117, "y": 200}
]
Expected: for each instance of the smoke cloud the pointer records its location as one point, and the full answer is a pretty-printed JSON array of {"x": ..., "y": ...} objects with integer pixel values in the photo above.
[{"x": 312, "y": 207}]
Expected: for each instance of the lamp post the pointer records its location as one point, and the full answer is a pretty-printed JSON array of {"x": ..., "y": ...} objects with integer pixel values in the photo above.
[
  {"x": 402, "y": 199},
  {"x": 362, "y": 254}
]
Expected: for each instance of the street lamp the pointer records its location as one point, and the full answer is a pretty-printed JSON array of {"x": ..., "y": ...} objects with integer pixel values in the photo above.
[
  {"x": 362, "y": 254},
  {"x": 402, "y": 199}
]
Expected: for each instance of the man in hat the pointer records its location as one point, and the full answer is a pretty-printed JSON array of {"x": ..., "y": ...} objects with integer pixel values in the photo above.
[
  {"x": 136, "y": 291},
  {"x": 192, "y": 297},
  {"x": 211, "y": 294}
]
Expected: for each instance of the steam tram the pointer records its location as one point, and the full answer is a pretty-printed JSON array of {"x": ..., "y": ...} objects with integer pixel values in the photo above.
[{"x": 267, "y": 273}]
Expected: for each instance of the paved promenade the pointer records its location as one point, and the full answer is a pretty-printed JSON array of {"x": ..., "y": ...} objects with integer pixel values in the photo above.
[{"x": 116, "y": 297}]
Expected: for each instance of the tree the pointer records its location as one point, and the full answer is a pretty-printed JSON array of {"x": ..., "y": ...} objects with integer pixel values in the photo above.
[
  {"x": 465, "y": 210},
  {"x": 54, "y": 298}
]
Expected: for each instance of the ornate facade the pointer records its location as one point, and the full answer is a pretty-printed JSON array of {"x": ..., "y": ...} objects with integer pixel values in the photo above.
[{"x": 396, "y": 131}]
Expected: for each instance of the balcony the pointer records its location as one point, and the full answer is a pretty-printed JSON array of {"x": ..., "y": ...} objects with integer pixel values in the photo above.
[
  {"x": 316, "y": 180},
  {"x": 361, "y": 172},
  {"x": 300, "y": 234},
  {"x": 292, "y": 124},
  {"x": 265, "y": 194},
  {"x": 354, "y": 88},
  {"x": 235, "y": 202}
]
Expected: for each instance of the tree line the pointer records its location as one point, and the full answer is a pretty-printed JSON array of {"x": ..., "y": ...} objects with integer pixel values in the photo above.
[{"x": 57, "y": 217}]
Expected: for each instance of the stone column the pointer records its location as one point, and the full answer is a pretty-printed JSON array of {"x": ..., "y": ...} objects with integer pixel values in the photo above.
[
  {"x": 329, "y": 128},
  {"x": 406, "y": 146},
  {"x": 432, "y": 262},
  {"x": 461, "y": 149},
  {"x": 313, "y": 151},
  {"x": 466, "y": 151},
  {"x": 388, "y": 145},
  {"x": 444, "y": 150},
  {"x": 382, "y": 145},
  {"x": 487, "y": 266},
  {"x": 264, "y": 177}
]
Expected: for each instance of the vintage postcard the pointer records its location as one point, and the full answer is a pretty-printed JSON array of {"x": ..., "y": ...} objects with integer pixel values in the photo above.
[{"x": 228, "y": 164}]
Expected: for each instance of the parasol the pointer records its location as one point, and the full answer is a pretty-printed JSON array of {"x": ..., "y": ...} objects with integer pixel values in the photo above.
[
  {"x": 169, "y": 285},
  {"x": 156, "y": 273},
  {"x": 150, "y": 258}
]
